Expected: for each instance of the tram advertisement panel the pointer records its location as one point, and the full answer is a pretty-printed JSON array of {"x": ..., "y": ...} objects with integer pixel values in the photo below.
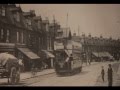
[{"x": 77, "y": 62}]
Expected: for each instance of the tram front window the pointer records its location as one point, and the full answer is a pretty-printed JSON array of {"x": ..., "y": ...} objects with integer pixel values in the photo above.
[{"x": 60, "y": 56}]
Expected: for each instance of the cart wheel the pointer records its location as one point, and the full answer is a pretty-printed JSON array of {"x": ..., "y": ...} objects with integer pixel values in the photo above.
[
  {"x": 80, "y": 69},
  {"x": 13, "y": 73}
]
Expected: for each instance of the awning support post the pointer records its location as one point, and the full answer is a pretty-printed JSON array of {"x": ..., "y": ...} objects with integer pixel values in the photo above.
[{"x": 52, "y": 65}]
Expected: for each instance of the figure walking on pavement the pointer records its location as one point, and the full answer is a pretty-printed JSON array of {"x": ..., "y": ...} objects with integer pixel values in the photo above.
[
  {"x": 102, "y": 73},
  {"x": 110, "y": 75}
]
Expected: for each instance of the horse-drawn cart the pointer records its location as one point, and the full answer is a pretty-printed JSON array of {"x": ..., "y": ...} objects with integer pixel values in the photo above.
[{"x": 9, "y": 68}]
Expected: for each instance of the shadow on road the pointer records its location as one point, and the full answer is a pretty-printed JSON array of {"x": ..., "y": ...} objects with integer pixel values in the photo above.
[{"x": 72, "y": 74}]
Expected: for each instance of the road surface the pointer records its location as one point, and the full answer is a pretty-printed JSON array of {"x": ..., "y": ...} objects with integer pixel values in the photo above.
[{"x": 88, "y": 77}]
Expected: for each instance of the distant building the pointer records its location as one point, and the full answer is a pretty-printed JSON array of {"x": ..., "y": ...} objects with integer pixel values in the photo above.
[{"x": 99, "y": 47}]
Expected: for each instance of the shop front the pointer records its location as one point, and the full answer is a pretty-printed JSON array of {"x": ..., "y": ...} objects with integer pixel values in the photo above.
[
  {"x": 48, "y": 58},
  {"x": 29, "y": 58},
  {"x": 102, "y": 56}
]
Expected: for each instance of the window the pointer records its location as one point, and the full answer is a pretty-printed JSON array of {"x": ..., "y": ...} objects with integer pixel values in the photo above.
[
  {"x": 17, "y": 37},
  {"x": 2, "y": 33},
  {"x": 22, "y": 37},
  {"x": 39, "y": 40},
  {"x": 47, "y": 27},
  {"x": 0, "y": 11},
  {"x": 30, "y": 40},
  {"x": 29, "y": 36},
  {"x": 8, "y": 34},
  {"x": 17, "y": 16},
  {"x": 50, "y": 44},
  {"x": 42, "y": 42},
  {"x": 29, "y": 22},
  {"x": 3, "y": 11},
  {"x": 39, "y": 24}
]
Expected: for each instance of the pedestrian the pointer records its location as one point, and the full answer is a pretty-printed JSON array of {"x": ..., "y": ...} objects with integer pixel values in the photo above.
[
  {"x": 110, "y": 75},
  {"x": 71, "y": 57},
  {"x": 103, "y": 73},
  {"x": 33, "y": 70},
  {"x": 21, "y": 64}
]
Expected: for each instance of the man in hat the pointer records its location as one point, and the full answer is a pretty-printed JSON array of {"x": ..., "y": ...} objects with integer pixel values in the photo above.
[{"x": 110, "y": 75}]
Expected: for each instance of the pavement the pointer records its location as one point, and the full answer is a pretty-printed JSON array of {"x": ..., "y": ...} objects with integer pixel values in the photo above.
[{"x": 28, "y": 75}]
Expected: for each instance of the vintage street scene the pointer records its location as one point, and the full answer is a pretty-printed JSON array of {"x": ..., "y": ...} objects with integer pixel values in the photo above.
[{"x": 59, "y": 45}]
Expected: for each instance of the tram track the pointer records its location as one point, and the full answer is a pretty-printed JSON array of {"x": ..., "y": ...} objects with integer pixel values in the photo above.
[{"x": 36, "y": 79}]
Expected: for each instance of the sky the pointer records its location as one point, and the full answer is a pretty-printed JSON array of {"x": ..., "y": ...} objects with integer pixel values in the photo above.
[{"x": 97, "y": 19}]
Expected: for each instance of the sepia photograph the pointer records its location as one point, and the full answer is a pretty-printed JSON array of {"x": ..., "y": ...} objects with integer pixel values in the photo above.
[{"x": 60, "y": 45}]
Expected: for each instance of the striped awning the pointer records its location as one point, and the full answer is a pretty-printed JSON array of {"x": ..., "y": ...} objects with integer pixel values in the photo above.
[
  {"x": 48, "y": 54},
  {"x": 95, "y": 54},
  {"x": 29, "y": 53},
  {"x": 102, "y": 54}
]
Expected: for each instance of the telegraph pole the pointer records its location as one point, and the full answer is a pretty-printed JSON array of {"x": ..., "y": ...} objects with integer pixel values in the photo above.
[
  {"x": 78, "y": 31},
  {"x": 54, "y": 25},
  {"x": 54, "y": 29},
  {"x": 66, "y": 25},
  {"x": 66, "y": 32}
]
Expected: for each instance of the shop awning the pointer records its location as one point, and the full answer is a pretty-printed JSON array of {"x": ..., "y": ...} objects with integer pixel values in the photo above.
[
  {"x": 49, "y": 55},
  {"x": 102, "y": 54},
  {"x": 95, "y": 54},
  {"x": 106, "y": 54},
  {"x": 29, "y": 53}
]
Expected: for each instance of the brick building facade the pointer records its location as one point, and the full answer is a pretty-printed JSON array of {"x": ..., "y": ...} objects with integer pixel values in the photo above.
[{"x": 25, "y": 35}]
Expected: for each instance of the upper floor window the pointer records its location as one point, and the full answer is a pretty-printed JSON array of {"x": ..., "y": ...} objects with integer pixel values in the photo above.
[
  {"x": 47, "y": 27},
  {"x": 2, "y": 11},
  {"x": 17, "y": 16},
  {"x": 8, "y": 34},
  {"x": 39, "y": 24},
  {"x": 17, "y": 37},
  {"x": 28, "y": 22},
  {"x": 22, "y": 37},
  {"x": 2, "y": 33}
]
